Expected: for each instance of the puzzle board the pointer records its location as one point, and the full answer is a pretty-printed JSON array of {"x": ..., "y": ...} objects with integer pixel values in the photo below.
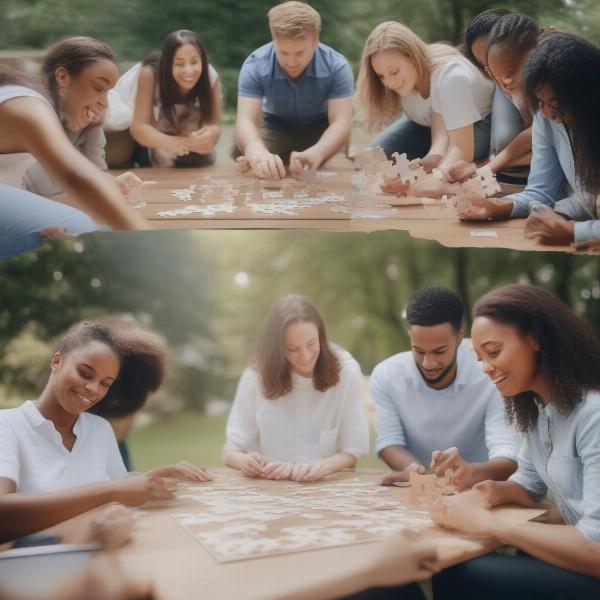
[{"x": 239, "y": 520}]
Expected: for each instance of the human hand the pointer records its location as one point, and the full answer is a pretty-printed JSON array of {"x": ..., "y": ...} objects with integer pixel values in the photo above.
[
  {"x": 394, "y": 185},
  {"x": 431, "y": 187},
  {"x": 277, "y": 470},
  {"x": 548, "y": 227},
  {"x": 589, "y": 245},
  {"x": 430, "y": 162},
  {"x": 451, "y": 460},
  {"x": 178, "y": 145},
  {"x": 267, "y": 166},
  {"x": 253, "y": 464},
  {"x": 491, "y": 491},
  {"x": 112, "y": 526},
  {"x": 312, "y": 471},
  {"x": 403, "y": 475},
  {"x": 130, "y": 184},
  {"x": 137, "y": 489},
  {"x": 204, "y": 139},
  {"x": 468, "y": 511},
  {"x": 459, "y": 171},
  {"x": 475, "y": 207},
  {"x": 183, "y": 470},
  {"x": 401, "y": 558},
  {"x": 311, "y": 157}
]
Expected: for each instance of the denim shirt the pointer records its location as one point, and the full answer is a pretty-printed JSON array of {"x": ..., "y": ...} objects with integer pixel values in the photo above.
[
  {"x": 552, "y": 168},
  {"x": 562, "y": 454}
]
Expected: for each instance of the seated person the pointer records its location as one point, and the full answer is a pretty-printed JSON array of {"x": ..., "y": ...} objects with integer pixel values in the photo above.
[
  {"x": 297, "y": 412},
  {"x": 434, "y": 406},
  {"x": 294, "y": 97},
  {"x": 56, "y": 459}
]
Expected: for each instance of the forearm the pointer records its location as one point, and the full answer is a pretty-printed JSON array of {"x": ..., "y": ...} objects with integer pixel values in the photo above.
[
  {"x": 456, "y": 152},
  {"x": 510, "y": 492},
  {"x": 334, "y": 138},
  {"x": 148, "y": 136},
  {"x": 235, "y": 459},
  {"x": 519, "y": 147},
  {"x": 339, "y": 461},
  {"x": 398, "y": 457},
  {"x": 22, "y": 514},
  {"x": 497, "y": 469},
  {"x": 561, "y": 545},
  {"x": 248, "y": 137}
]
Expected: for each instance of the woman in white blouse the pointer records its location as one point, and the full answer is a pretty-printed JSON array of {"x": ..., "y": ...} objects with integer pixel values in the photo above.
[
  {"x": 297, "y": 412},
  {"x": 56, "y": 459}
]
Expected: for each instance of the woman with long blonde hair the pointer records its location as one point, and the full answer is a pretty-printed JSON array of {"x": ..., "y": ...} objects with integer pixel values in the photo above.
[
  {"x": 445, "y": 99},
  {"x": 297, "y": 412}
]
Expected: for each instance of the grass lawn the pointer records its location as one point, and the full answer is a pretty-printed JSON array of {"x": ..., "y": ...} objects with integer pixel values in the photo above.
[{"x": 195, "y": 437}]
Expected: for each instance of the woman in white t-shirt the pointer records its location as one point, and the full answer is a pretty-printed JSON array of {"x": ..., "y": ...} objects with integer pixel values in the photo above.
[
  {"x": 297, "y": 412},
  {"x": 445, "y": 99},
  {"x": 57, "y": 460},
  {"x": 171, "y": 102}
]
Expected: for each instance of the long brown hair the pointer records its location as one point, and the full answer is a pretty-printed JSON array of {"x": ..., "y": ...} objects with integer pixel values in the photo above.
[
  {"x": 72, "y": 54},
  {"x": 142, "y": 358},
  {"x": 270, "y": 360},
  {"x": 569, "y": 352},
  {"x": 380, "y": 103},
  {"x": 168, "y": 91}
]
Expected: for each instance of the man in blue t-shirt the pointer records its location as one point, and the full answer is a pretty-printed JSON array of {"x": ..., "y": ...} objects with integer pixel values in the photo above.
[{"x": 294, "y": 97}]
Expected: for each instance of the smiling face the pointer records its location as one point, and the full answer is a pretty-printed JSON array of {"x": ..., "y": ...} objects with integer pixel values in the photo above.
[
  {"x": 187, "y": 67},
  {"x": 84, "y": 97},
  {"x": 81, "y": 378},
  {"x": 434, "y": 349},
  {"x": 294, "y": 54},
  {"x": 507, "y": 357},
  {"x": 395, "y": 71},
  {"x": 506, "y": 69},
  {"x": 301, "y": 347}
]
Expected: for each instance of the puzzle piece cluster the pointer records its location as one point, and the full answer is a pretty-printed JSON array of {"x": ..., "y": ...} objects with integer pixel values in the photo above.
[{"x": 426, "y": 489}]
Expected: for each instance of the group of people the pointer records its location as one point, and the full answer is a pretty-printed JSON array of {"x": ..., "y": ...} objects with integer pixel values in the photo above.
[
  {"x": 298, "y": 415},
  {"x": 517, "y": 94}
]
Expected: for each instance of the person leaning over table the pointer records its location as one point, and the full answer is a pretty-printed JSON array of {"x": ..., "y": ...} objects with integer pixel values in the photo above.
[
  {"x": 294, "y": 97},
  {"x": 29, "y": 122},
  {"x": 544, "y": 361},
  {"x": 566, "y": 147},
  {"x": 57, "y": 460},
  {"x": 433, "y": 405},
  {"x": 297, "y": 412}
]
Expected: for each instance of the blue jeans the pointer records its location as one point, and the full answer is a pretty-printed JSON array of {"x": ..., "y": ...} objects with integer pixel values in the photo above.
[
  {"x": 407, "y": 136},
  {"x": 507, "y": 122},
  {"x": 521, "y": 577},
  {"x": 23, "y": 215}
]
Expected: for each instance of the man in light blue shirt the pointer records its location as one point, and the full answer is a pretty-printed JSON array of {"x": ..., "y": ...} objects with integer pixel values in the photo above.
[
  {"x": 294, "y": 97},
  {"x": 434, "y": 406}
]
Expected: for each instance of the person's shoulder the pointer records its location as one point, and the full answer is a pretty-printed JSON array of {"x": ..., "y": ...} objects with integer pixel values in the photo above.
[
  {"x": 348, "y": 363},
  {"x": 12, "y": 416},
  {"x": 591, "y": 405},
  {"x": 398, "y": 363},
  {"x": 97, "y": 424},
  {"x": 332, "y": 58},
  {"x": 259, "y": 57},
  {"x": 455, "y": 69}
]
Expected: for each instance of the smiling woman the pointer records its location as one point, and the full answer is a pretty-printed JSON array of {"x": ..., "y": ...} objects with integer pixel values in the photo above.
[
  {"x": 56, "y": 459},
  {"x": 297, "y": 412}
]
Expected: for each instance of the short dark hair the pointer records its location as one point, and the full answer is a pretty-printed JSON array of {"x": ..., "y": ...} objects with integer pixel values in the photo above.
[
  {"x": 434, "y": 306},
  {"x": 142, "y": 358},
  {"x": 569, "y": 352}
]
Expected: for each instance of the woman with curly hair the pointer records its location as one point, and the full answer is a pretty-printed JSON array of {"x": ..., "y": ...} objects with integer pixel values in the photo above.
[
  {"x": 297, "y": 412},
  {"x": 57, "y": 459},
  {"x": 544, "y": 361}
]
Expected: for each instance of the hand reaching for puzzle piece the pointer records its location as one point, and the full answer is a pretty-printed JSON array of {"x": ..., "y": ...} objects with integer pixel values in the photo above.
[
  {"x": 451, "y": 462},
  {"x": 204, "y": 139},
  {"x": 468, "y": 511},
  {"x": 402, "y": 476},
  {"x": 476, "y": 207},
  {"x": 183, "y": 470},
  {"x": 394, "y": 185},
  {"x": 130, "y": 184},
  {"x": 253, "y": 464},
  {"x": 112, "y": 526},
  {"x": 311, "y": 157},
  {"x": 278, "y": 470},
  {"x": 458, "y": 172},
  {"x": 310, "y": 471},
  {"x": 548, "y": 227}
]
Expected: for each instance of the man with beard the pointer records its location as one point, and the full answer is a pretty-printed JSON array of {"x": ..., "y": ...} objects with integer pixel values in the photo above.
[{"x": 434, "y": 405}]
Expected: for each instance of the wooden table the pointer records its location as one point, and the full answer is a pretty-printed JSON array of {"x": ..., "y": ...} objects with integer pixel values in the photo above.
[
  {"x": 433, "y": 222},
  {"x": 181, "y": 569}
]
